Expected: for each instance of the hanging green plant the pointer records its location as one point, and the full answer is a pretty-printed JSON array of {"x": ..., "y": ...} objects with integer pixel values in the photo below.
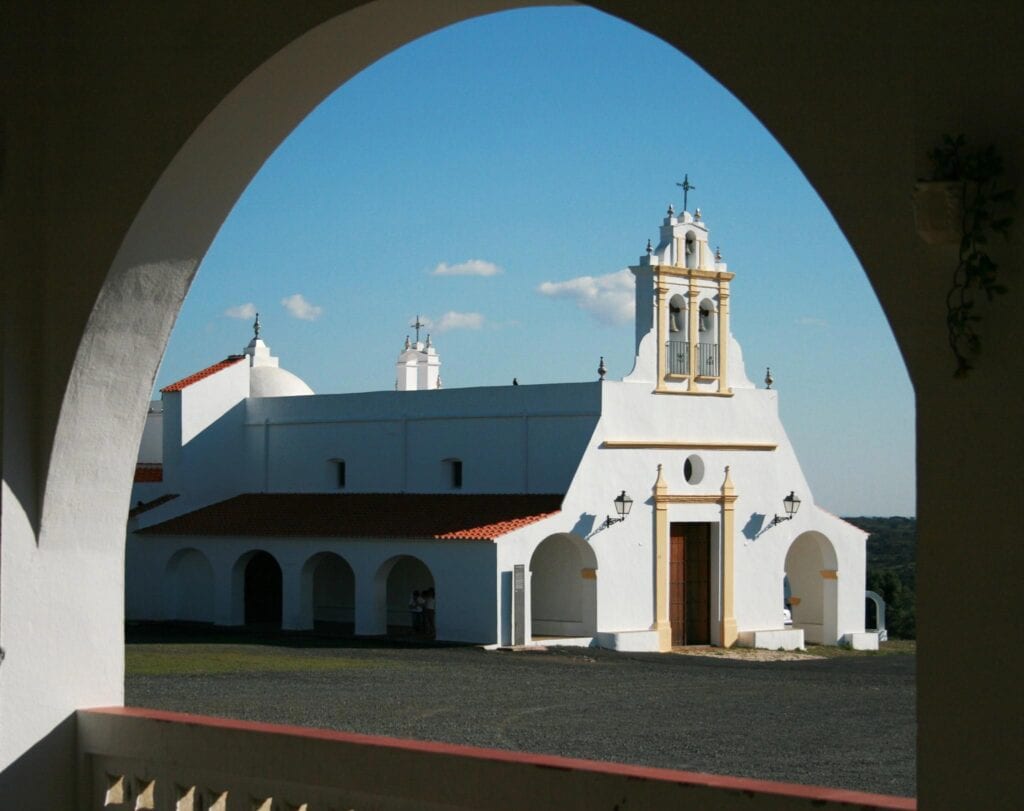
[{"x": 976, "y": 175}]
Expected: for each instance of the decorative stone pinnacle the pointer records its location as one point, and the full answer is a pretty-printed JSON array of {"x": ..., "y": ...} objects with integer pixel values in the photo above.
[
  {"x": 768, "y": 379},
  {"x": 671, "y": 210},
  {"x": 428, "y": 340},
  {"x": 718, "y": 254},
  {"x": 407, "y": 344},
  {"x": 256, "y": 326},
  {"x": 601, "y": 369},
  {"x": 697, "y": 215},
  {"x": 650, "y": 250}
]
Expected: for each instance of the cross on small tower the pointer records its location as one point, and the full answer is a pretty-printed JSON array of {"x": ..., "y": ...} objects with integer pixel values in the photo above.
[
  {"x": 417, "y": 325},
  {"x": 686, "y": 186}
]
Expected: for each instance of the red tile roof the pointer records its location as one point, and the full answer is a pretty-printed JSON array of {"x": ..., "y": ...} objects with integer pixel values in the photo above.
[
  {"x": 364, "y": 515},
  {"x": 147, "y": 472},
  {"x": 230, "y": 360}
]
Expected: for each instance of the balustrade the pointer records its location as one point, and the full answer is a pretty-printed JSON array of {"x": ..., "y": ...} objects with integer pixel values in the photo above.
[
  {"x": 151, "y": 759},
  {"x": 679, "y": 358}
]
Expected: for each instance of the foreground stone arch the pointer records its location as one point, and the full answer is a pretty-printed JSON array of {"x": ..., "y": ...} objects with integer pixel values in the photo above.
[{"x": 93, "y": 131}]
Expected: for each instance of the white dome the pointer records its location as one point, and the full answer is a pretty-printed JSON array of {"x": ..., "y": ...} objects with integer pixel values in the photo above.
[{"x": 273, "y": 381}]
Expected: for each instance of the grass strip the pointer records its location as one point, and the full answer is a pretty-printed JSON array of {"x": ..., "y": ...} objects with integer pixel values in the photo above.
[{"x": 205, "y": 660}]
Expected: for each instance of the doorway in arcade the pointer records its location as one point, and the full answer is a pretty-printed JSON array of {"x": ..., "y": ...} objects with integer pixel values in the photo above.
[{"x": 690, "y": 583}]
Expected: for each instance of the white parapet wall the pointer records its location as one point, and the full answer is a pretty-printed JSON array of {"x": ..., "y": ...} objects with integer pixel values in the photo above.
[
  {"x": 775, "y": 639},
  {"x": 629, "y": 641},
  {"x": 867, "y": 640}
]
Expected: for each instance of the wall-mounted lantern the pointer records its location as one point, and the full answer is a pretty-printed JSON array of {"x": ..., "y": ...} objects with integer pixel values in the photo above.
[
  {"x": 791, "y": 504},
  {"x": 623, "y": 504}
]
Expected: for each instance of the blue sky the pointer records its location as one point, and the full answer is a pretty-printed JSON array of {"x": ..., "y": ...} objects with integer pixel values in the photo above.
[{"x": 478, "y": 175}]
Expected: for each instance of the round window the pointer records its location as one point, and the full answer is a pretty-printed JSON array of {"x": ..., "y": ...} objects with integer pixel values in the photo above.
[{"x": 693, "y": 469}]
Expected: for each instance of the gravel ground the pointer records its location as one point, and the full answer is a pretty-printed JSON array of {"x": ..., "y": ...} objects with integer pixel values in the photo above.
[{"x": 845, "y": 722}]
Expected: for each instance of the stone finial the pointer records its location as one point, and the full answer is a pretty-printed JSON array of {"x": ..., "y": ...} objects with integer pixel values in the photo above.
[
  {"x": 768, "y": 379},
  {"x": 660, "y": 486},
  {"x": 697, "y": 215},
  {"x": 428, "y": 345},
  {"x": 727, "y": 486},
  {"x": 718, "y": 254},
  {"x": 602, "y": 370},
  {"x": 256, "y": 327},
  {"x": 650, "y": 250},
  {"x": 671, "y": 210},
  {"x": 407, "y": 344}
]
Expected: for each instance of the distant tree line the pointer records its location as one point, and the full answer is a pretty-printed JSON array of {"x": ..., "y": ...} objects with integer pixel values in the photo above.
[{"x": 892, "y": 570}]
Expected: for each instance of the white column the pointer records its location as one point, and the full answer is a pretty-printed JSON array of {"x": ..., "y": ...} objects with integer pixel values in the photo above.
[
  {"x": 371, "y": 599},
  {"x": 296, "y": 597}
]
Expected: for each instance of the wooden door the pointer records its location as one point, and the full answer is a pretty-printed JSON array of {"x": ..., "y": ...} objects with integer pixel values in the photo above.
[
  {"x": 698, "y": 584},
  {"x": 677, "y": 584},
  {"x": 690, "y": 583}
]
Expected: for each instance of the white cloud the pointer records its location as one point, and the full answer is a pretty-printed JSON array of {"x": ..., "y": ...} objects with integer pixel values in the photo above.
[
  {"x": 609, "y": 298},
  {"x": 246, "y": 311},
  {"x": 297, "y": 305},
  {"x": 471, "y": 267},
  {"x": 453, "y": 320},
  {"x": 810, "y": 321}
]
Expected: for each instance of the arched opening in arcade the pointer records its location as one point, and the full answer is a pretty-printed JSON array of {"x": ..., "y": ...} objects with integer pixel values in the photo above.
[
  {"x": 262, "y": 590},
  {"x": 407, "y": 604},
  {"x": 188, "y": 587},
  {"x": 563, "y": 588},
  {"x": 812, "y": 593},
  {"x": 330, "y": 584}
]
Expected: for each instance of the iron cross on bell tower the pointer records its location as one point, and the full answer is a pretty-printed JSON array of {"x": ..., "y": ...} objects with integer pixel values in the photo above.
[
  {"x": 417, "y": 325},
  {"x": 686, "y": 186}
]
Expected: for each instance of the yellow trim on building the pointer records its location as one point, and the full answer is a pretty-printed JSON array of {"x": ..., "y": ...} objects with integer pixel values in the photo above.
[
  {"x": 693, "y": 392},
  {"x": 661, "y": 620},
  {"x": 829, "y": 574},
  {"x": 729, "y": 632},
  {"x": 695, "y": 273}
]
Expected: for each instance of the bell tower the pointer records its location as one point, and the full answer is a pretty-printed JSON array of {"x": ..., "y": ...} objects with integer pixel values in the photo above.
[
  {"x": 419, "y": 366},
  {"x": 682, "y": 310}
]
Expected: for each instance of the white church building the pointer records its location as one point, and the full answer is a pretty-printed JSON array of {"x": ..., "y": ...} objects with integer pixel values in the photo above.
[{"x": 664, "y": 509}]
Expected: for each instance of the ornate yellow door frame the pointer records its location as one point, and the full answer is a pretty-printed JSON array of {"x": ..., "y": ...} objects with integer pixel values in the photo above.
[{"x": 726, "y": 498}]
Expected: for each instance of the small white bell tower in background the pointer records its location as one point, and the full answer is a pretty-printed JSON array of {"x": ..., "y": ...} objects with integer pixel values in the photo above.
[
  {"x": 419, "y": 366},
  {"x": 682, "y": 309}
]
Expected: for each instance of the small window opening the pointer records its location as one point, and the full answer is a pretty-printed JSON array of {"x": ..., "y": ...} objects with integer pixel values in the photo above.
[
  {"x": 454, "y": 472},
  {"x": 339, "y": 473}
]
